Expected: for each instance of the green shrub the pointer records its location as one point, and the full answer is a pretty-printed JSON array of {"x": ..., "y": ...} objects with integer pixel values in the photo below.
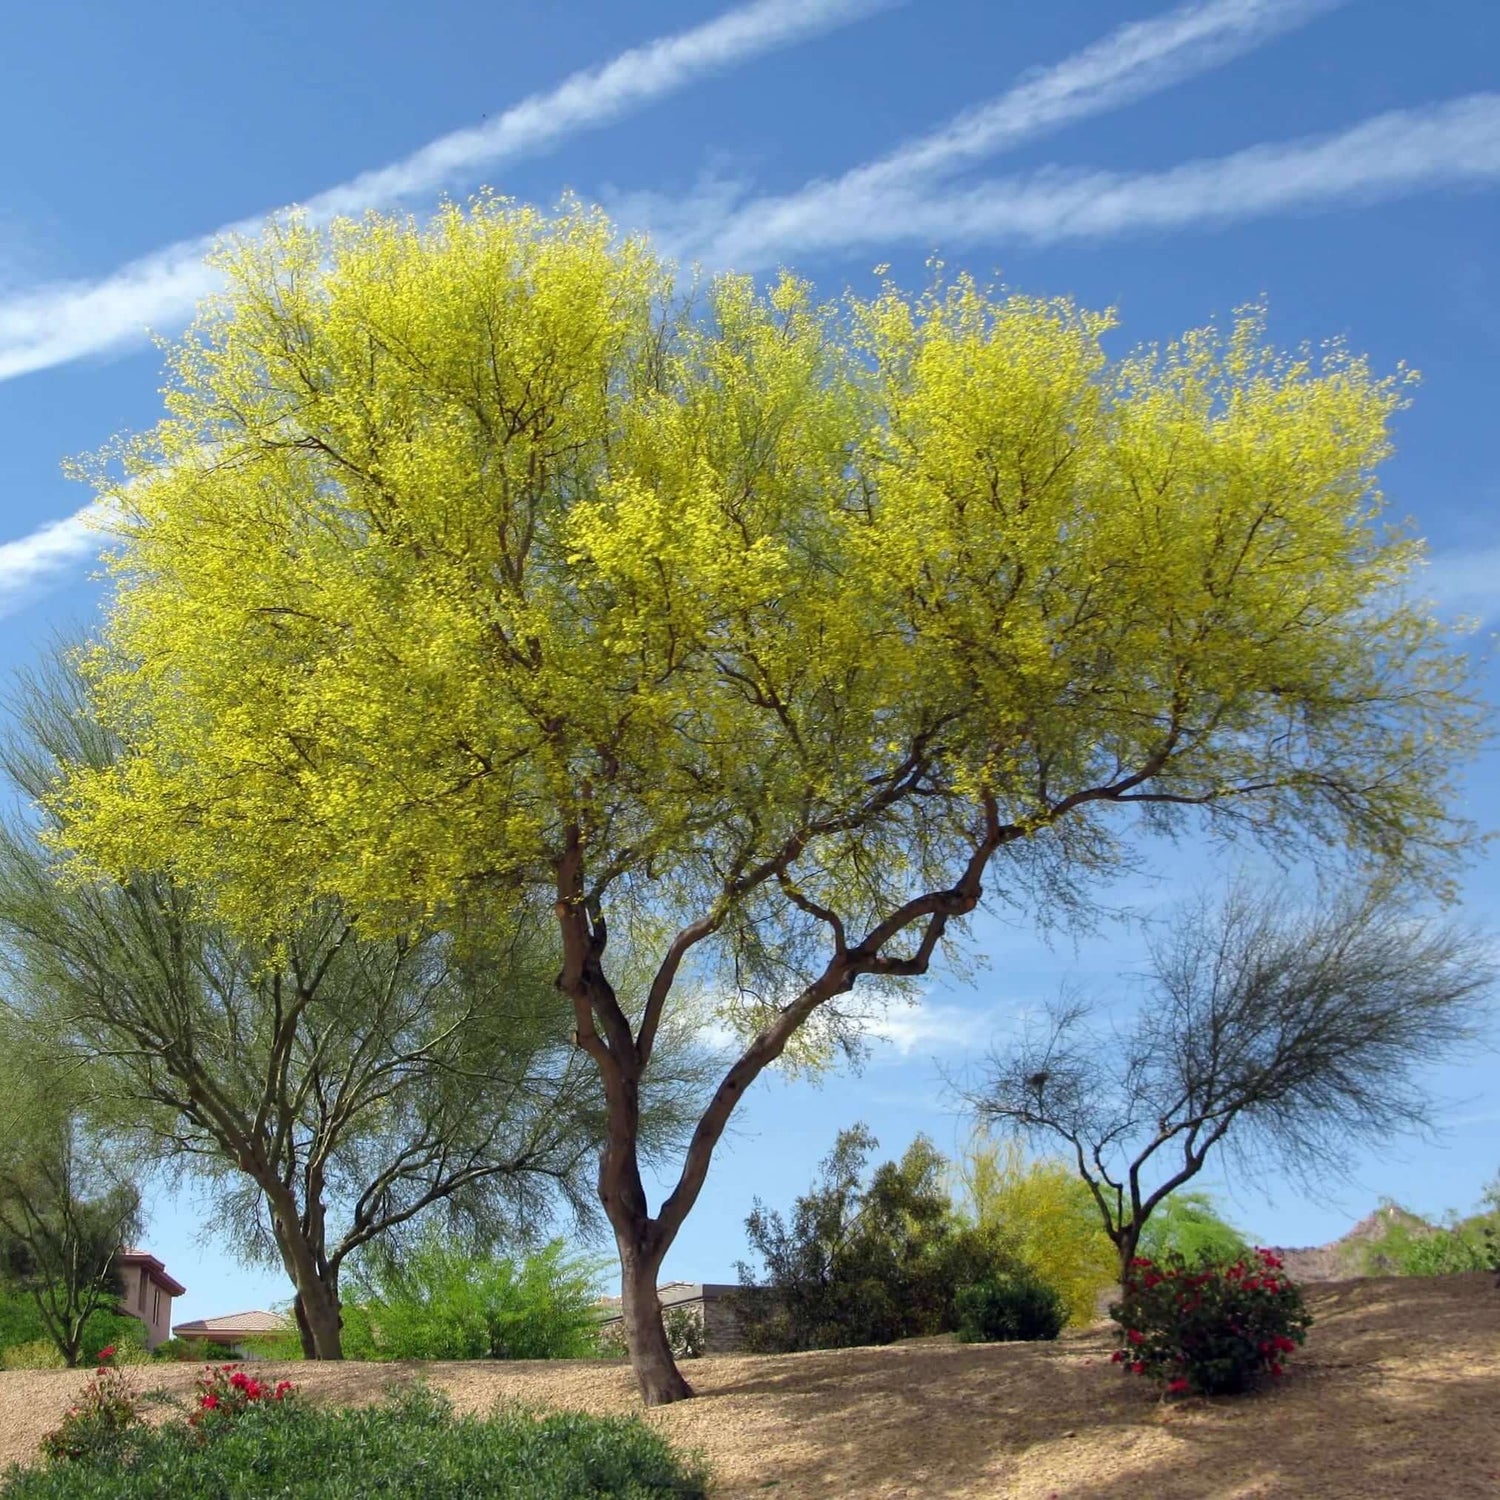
[
  {"x": 1187, "y": 1224},
  {"x": 442, "y": 1302},
  {"x": 35, "y": 1354},
  {"x": 105, "y": 1426},
  {"x": 1009, "y": 1308},
  {"x": 1209, "y": 1330},
  {"x": 412, "y": 1446},
  {"x": 685, "y": 1336},
  {"x": 119, "y": 1332},
  {"x": 182, "y": 1351}
]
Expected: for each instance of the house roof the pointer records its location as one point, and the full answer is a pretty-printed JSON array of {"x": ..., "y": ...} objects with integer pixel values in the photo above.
[
  {"x": 232, "y": 1326},
  {"x": 153, "y": 1268},
  {"x": 671, "y": 1294}
]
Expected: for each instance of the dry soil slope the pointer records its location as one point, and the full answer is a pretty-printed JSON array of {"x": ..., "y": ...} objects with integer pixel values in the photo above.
[{"x": 1396, "y": 1394}]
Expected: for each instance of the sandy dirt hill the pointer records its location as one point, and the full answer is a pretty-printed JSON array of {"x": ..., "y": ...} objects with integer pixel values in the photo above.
[{"x": 1396, "y": 1394}]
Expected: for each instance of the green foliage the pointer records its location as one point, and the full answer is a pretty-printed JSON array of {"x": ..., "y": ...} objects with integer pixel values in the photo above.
[
  {"x": 35, "y": 1354},
  {"x": 863, "y": 1263},
  {"x": 116, "y": 1331},
  {"x": 1045, "y": 1216},
  {"x": 1409, "y": 1246},
  {"x": 104, "y": 1427},
  {"x": 442, "y": 1301},
  {"x": 685, "y": 1333},
  {"x": 1210, "y": 1330},
  {"x": 183, "y": 1351},
  {"x": 1008, "y": 1308},
  {"x": 1187, "y": 1224},
  {"x": 411, "y": 1446}
]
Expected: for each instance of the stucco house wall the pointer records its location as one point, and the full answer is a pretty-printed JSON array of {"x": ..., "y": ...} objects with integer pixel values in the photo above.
[{"x": 148, "y": 1293}]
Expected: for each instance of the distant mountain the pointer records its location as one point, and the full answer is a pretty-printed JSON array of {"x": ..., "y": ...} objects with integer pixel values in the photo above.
[{"x": 1344, "y": 1257}]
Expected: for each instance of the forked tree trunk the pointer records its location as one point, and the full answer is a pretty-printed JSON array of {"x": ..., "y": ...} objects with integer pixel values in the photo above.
[
  {"x": 318, "y": 1322},
  {"x": 645, "y": 1335}
]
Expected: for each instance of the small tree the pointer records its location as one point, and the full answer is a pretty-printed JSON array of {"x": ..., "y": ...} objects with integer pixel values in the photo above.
[
  {"x": 1043, "y": 1214},
  {"x": 327, "y": 1088},
  {"x": 64, "y": 1213},
  {"x": 1269, "y": 1027},
  {"x": 1187, "y": 1224}
]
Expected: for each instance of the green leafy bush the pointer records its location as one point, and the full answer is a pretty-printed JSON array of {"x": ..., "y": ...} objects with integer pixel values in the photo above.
[
  {"x": 442, "y": 1302},
  {"x": 412, "y": 1446},
  {"x": 105, "y": 1426},
  {"x": 1189, "y": 1225},
  {"x": 35, "y": 1354},
  {"x": 685, "y": 1334},
  {"x": 1009, "y": 1308},
  {"x": 864, "y": 1262},
  {"x": 226, "y": 1393},
  {"x": 180, "y": 1351},
  {"x": 1410, "y": 1246},
  {"x": 1209, "y": 1330},
  {"x": 123, "y": 1335}
]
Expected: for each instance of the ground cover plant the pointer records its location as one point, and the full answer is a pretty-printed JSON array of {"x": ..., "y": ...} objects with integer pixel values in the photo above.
[
  {"x": 412, "y": 1445},
  {"x": 748, "y": 641},
  {"x": 1206, "y": 1329}
]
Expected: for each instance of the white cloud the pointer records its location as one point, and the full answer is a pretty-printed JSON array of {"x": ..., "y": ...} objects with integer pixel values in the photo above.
[
  {"x": 1135, "y": 60},
  {"x": 932, "y": 1026},
  {"x": 33, "y": 562},
  {"x": 1465, "y": 583},
  {"x": 50, "y": 325},
  {"x": 1441, "y": 145}
]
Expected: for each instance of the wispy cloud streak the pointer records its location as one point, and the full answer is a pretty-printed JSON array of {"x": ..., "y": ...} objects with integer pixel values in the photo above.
[
  {"x": 1130, "y": 63},
  {"x": 32, "y": 563},
  {"x": 1442, "y": 145},
  {"x": 53, "y": 324}
]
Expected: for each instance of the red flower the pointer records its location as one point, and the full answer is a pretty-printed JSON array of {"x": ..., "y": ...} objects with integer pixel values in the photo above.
[
  {"x": 1137, "y": 1368},
  {"x": 1141, "y": 1260},
  {"x": 209, "y": 1402},
  {"x": 1178, "y": 1386},
  {"x": 107, "y": 1352},
  {"x": 1284, "y": 1344},
  {"x": 1118, "y": 1357},
  {"x": 1136, "y": 1336},
  {"x": 1275, "y": 1369},
  {"x": 283, "y": 1388}
]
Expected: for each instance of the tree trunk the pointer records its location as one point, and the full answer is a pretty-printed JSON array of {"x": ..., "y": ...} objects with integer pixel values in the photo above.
[
  {"x": 645, "y": 1335},
  {"x": 1129, "y": 1239},
  {"x": 318, "y": 1308}
]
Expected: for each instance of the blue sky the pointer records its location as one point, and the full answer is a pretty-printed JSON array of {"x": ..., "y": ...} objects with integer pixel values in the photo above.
[{"x": 1339, "y": 159}]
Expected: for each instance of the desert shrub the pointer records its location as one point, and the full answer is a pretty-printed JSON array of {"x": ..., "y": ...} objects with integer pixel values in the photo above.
[
  {"x": 442, "y": 1302},
  {"x": 1187, "y": 1224},
  {"x": 174, "y": 1350},
  {"x": 1410, "y": 1246},
  {"x": 1044, "y": 1216},
  {"x": 34, "y": 1354},
  {"x": 411, "y": 1446},
  {"x": 226, "y": 1393},
  {"x": 1209, "y": 1330},
  {"x": 685, "y": 1333},
  {"x": 122, "y": 1335},
  {"x": 1012, "y": 1307},
  {"x": 20, "y": 1322},
  {"x": 105, "y": 1425},
  {"x": 863, "y": 1262}
]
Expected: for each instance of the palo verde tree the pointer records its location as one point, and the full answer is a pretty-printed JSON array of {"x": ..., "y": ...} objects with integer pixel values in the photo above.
[
  {"x": 1267, "y": 1029},
  {"x": 325, "y": 1088},
  {"x": 471, "y": 556},
  {"x": 66, "y": 1210}
]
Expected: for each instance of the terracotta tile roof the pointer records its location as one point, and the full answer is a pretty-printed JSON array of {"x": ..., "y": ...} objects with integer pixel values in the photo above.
[
  {"x": 158, "y": 1272},
  {"x": 233, "y": 1326}
]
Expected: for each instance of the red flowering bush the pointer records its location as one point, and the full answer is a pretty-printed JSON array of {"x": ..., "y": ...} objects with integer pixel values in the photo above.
[
  {"x": 1209, "y": 1329},
  {"x": 106, "y": 1419},
  {"x": 226, "y": 1392}
]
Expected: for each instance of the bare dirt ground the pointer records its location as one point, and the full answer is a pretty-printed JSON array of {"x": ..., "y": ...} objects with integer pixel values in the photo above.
[{"x": 1397, "y": 1393}]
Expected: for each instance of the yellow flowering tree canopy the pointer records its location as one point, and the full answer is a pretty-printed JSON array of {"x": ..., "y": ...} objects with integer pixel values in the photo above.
[{"x": 481, "y": 554}]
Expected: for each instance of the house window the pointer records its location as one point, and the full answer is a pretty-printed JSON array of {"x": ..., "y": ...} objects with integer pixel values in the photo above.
[
  {"x": 141, "y": 1300},
  {"x": 156, "y": 1306}
]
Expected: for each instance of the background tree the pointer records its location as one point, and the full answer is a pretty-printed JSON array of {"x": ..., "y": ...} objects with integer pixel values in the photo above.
[
  {"x": 862, "y": 1262},
  {"x": 65, "y": 1211},
  {"x": 471, "y": 557},
  {"x": 1282, "y": 1030},
  {"x": 1044, "y": 1216},
  {"x": 326, "y": 1087},
  {"x": 1187, "y": 1223}
]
